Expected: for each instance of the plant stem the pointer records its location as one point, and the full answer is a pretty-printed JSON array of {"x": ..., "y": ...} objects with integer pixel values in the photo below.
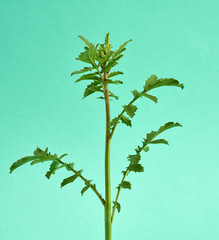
[{"x": 108, "y": 225}]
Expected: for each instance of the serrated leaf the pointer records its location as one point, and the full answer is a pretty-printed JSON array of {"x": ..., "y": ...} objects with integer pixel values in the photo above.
[
  {"x": 105, "y": 58},
  {"x": 153, "y": 82},
  {"x": 160, "y": 141},
  {"x": 110, "y": 65},
  {"x": 92, "y": 88},
  {"x": 22, "y": 161},
  {"x": 136, "y": 168},
  {"x": 90, "y": 76},
  {"x": 130, "y": 110},
  {"x": 112, "y": 74},
  {"x": 125, "y": 184},
  {"x": 117, "y": 205},
  {"x": 113, "y": 95},
  {"x": 54, "y": 165},
  {"x": 134, "y": 158},
  {"x": 166, "y": 126},
  {"x": 85, "y": 41},
  {"x": 113, "y": 121},
  {"x": 44, "y": 159},
  {"x": 109, "y": 81},
  {"x": 126, "y": 120},
  {"x": 136, "y": 94},
  {"x": 70, "y": 179},
  {"x": 153, "y": 98},
  {"x": 40, "y": 152},
  {"x": 121, "y": 49},
  {"x": 88, "y": 55},
  {"x": 85, "y": 69}
]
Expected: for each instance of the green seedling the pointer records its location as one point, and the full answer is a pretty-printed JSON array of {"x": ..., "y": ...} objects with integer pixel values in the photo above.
[{"x": 101, "y": 60}]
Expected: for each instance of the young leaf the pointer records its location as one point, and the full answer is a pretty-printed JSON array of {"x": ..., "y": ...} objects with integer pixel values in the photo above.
[
  {"x": 113, "y": 121},
  {"x": 85, "y": 41},
  {"x": 121, "y": 49},
  {"x": 153, "y": 98},
  {"x": 136, "y": 168},
  {"x": 84, "y": 189},
  {"x": 40, "y": 152},
  {"x": 22, "y": 161},
  {"x": 160, "y": 141},
  {"x": 118, "y": 206},
  {"x": 110, "y": 65},
  {"x": 153, "y": 82},
  {"x": 85, "y": 69},
  {"x": 92, "y": 88},
  {"x": 136, "y": 94},
  {"x": 134, "y": 158},
  {"x": 126, "y": 120},
  {"x": 125, "y": 184},
  {"x": 112, "y": 74},
  {"x": 146, "y": 148},
  {"x": 113, "y": 95},
  {"x": 130, "y": 110},
  {"x": 90, "y": 76},
  {"x": 52, "y": 169},
  {"x": 70, "y": 179}
]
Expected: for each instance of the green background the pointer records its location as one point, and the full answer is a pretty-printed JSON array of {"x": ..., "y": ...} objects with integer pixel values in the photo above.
[{"x": 177, "y": 196}]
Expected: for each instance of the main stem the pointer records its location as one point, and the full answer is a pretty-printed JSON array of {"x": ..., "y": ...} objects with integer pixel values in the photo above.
[{"x": 108, "y": 224}]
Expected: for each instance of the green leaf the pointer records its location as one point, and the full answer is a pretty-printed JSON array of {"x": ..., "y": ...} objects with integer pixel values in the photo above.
[
  {"x": 112, "y": 74},
  {"x": 85, "y": 69},
  {"x": 53, "y": 167},
  {"x": 121, "y": 49},
  {"x": 136, "y": 167},
  {"x": 70, "y": 179},
  {"x": 90, "y": 76},
  {"x": 85, "y": 41},
  {"x": 166, "y": 126},
  {"x": 109, "y": 81},
  {"x": 134, "y": 158},
  {"x": 40, "y": 152},
  {"x": 113, "y": 95},
  {"x": 22, "y": 161},
  {"x": 130, "y": 110},
  {"x": 88, "y": 55},
  {"x": 44, "y": 159},
  {"x": 105, "y": 58},
  {"x": 146, "y": 148},
  {"x": 113, "y": 121},
  {"x": 69, "y": 165},
  {"x": 118, "y": 206},
  {"x": 107, "y": 39},
  {"x": 136, "y": 94},
  {"x": 153, "y": 98},
  {"x": 160, "y": 141},
  {"x": 153, "y": 82},
  {"x": 126, "y": 120},
  {"x": 125, "y": 184},
  {"x": 84, "y": 189},
  {"x": 110, "y": 65},
  {"x": 92, "y": 88}
]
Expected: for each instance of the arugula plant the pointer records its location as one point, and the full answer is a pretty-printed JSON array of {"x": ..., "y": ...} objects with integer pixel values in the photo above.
[{"x": 101, "y": 60}]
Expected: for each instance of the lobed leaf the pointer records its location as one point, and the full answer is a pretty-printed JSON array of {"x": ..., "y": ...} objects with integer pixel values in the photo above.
[
  {"x": 126, "y": 120},
  {"x": 125, "y": 184},
  {"x": 134, "y": 158},
  {"x": 130, "y": 110},
  {"x": 53, "y": 167},
  {"x": 135, "y": 168}
]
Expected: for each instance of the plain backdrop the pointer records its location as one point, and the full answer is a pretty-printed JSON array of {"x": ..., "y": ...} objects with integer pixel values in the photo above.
[{"x": 177, "y": 196}]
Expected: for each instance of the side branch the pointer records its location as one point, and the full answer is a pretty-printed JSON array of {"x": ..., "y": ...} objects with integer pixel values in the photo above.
[{"x": 85, "y": 180}]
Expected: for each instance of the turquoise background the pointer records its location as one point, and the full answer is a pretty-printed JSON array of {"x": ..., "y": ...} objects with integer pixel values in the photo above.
[{"x": 177, "y": 196}]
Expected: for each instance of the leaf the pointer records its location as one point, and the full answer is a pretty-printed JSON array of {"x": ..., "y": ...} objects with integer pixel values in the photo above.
[
  {"x": 112, "y": 74},
  {"x": 40, "y": 152},
  {"x": 85, "y": 41},
  {"x": 84, "y": 189},
  {"x": 22, "y": 161},
  {"x": 70, "y": 179},
  {"x": 146, "y": 148},
  {"x": 52, "y": 169},
  {"x": 136, "y": 94},
  {"x": 166, "y": 126},
  {"x": 136, "y": 168},
  {"x": 125, "y": 184},
  {"x": 88, "y": 55},
  {"x": 134, "y": 158},
  {"x": 160, "y": 141},
  {"x": 92, "y": 88},
  {"x": 118, "y": 206},
  {"x": 85, "y": 69},
  {"x": 69, "y": 165},
  {"x": 110, "y": 65},
  {"x": 130, "y": 110},
  {"x": 153, "y": 82},
  {"x": 63, "y": 155},
  {"x": 90, "y": 76},
  {"x": 44, "y": 159},
  {"x": 121, "y": 49},
  {"x": 113, "y": 95},
  {"x": 105, "y": 58},
  {"x": 109, "y": 81},
  {"x": 107, "y": 39},
  {"x": 126, "y": 120},
  {"x": 113, "y": 121},
  {"x": 153, "y": 98}
]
